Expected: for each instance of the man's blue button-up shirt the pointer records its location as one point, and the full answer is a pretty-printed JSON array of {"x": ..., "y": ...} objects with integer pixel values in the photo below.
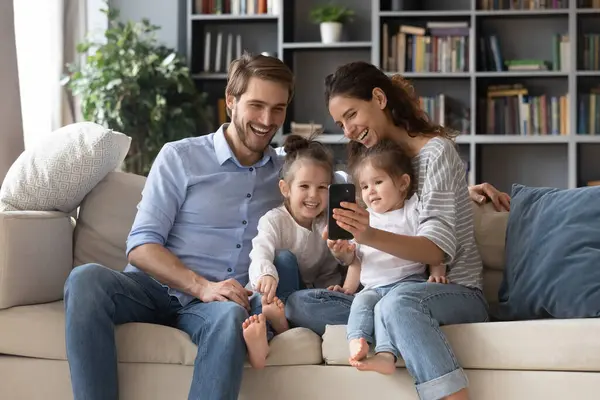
[{"x": 203, "y": 206}]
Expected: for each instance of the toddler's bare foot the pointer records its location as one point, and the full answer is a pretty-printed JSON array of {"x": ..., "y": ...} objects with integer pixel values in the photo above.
[
  {"x": 359, "y": 348},
  {"x": 384, "y": 363},
  {"x": 275, "y": 314},
  {"x": 255, "y": 336}
]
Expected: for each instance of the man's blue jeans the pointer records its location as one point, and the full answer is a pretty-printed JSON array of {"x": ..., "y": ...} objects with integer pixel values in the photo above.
[
  {"x": 407, "y": 323},
  {"x": 98, "y": 298}
]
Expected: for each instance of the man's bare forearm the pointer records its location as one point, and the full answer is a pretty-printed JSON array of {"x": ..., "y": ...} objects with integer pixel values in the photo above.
[{"x": 160, "y": 263}]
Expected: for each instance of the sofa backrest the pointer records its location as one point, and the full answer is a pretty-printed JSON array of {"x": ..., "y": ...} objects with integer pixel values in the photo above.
[
  {"x": 490, "y": 235},
  {"x": 105, "y": 219},
  {"x": 107, "y": 213}
]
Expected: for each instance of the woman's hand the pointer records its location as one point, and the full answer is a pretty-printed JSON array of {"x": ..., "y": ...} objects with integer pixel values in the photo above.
[
  {"x": 355, "y": 220},
  {"x": 338, "y": 288},
  {"x": 438, "y": 279},
  {"x": 484, "y": 191}
]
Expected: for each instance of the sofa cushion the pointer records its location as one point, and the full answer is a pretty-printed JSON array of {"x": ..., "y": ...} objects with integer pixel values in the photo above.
[
  {"x": 552, "y": 254},
  {"x": 549, "y": 345},
  {"x": 39, "y": 331},
  {"x": 105, "y": 218},
  {"x": 62, "y": 167}
]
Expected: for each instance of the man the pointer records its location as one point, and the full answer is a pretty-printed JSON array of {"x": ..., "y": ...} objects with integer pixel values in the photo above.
[{"x": 188, "y": 249}]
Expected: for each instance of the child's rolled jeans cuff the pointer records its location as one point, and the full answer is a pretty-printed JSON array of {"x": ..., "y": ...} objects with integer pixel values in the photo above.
[{"x": 443, "y": 386}]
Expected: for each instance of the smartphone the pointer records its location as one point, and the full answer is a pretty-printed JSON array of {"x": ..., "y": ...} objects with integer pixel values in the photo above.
[{"x": 339, "y": 192}]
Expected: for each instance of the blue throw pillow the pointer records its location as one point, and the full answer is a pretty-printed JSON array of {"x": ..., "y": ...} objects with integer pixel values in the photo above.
[{"x": 552, "y": 254}]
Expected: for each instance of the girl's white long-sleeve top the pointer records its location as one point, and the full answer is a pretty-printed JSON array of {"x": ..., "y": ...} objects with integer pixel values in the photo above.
[{"x": 277, "y": 231}]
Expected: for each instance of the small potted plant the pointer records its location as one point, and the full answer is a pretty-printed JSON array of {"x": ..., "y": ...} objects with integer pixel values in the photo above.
[{"x": 331, "y": 19}]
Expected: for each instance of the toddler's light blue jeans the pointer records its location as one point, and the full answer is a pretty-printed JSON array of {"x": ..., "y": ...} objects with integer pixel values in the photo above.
[
  {"x": 407, "y": 322},
  {"x": 361, "y": 321}
]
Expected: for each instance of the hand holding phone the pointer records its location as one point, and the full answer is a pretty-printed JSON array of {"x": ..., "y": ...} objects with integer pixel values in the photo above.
[{"x": 338, "y": 193}]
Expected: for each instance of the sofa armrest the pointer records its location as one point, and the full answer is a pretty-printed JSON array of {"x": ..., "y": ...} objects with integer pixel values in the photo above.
[{"x": 36, "y": 256}]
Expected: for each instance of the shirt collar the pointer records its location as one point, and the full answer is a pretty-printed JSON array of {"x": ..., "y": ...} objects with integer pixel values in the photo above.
[{"x": 224, "y": 153}]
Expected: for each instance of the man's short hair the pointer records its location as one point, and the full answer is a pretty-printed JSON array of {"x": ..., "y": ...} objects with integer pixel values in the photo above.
[{"x": 257, "y": 66}]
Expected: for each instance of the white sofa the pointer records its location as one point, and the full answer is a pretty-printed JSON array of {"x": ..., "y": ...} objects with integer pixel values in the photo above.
[{"x": 552, "y": 359}]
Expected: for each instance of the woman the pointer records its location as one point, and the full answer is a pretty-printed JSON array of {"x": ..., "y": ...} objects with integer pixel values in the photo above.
[{"x": 370, "y": 106}]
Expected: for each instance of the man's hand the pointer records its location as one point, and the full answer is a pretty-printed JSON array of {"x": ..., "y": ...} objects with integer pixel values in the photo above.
[
  {"x": 438, "y": 279},
  {"x": 484, "y": 191},
  {"x": 267, "y": 286},
  {"x": 338, "y": 288},
  {"x": 229, "y": 290}
]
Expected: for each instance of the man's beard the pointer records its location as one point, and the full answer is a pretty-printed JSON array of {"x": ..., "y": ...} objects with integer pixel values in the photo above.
[{"x": 243, "y": 136}]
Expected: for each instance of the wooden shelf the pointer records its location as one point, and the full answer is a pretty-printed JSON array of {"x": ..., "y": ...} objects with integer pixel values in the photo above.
[
  {"x": 326, "y": 46},
  {"x": 234, "y": 17},
  {"x": 522, "y": 13}
]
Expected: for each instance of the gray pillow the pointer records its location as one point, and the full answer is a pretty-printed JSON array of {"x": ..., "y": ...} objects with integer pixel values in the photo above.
[{"x": 552, "y": 254}]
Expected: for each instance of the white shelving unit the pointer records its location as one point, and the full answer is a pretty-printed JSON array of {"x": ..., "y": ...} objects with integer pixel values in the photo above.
[{"x": 564, "y": 161}]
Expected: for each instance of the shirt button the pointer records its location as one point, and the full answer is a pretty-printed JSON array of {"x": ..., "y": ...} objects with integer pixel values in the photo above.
[
  {"x": 228, "y": 269},
  {"x": 244, "y": 222},
  {"x": 238, "y": 245},
  {"x": 248, "y": 195},
  {"x": 251, "y": 169}
]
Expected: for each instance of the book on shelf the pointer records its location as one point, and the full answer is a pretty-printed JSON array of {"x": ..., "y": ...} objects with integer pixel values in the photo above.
[
  {"x": 446, "y": 111},
  {"x": 440, "y": 46},
  {"x": 221, "y": 111},
  {"x": 588, "y": 112},
  {"x": 492, "y": 58},
  {"x": 588, "y": 3},
  {"x": 237, "y": 7},
  {"x": 591, "y": 51},
  {"x": 522, "y": 4},
  {"x": 511, "y": 110},
  {"x": 224, "y": 52}
]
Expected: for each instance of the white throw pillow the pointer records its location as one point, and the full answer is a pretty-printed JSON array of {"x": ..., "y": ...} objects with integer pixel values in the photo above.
[{"x": 62, "y": 167}]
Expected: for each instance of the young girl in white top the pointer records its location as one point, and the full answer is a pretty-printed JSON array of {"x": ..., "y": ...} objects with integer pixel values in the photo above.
[
  {"x": 297, "y": 226},
  {"x": 384, "y": 175}
]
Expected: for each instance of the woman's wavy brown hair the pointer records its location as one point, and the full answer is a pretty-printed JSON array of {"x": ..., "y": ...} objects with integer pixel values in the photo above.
[{"x": 358, "y": 79}]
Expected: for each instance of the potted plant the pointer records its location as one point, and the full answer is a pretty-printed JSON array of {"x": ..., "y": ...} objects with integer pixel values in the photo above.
[
  {"x": 331, "y": 19},
  {"x": 132, "y": 84}
]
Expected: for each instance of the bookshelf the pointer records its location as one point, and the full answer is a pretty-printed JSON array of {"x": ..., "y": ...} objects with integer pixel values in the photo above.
[{"x": 562, "y": 147}]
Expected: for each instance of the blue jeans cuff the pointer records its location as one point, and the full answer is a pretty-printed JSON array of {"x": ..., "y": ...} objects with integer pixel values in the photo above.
[
  {"x": 386, "y": 349},
  {"x": 358, "y": 335},
  {"x": 443, "y": 386}
]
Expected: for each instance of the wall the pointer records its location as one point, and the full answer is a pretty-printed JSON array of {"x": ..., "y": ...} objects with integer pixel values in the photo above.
[
  {"x": 168, "y": 14},
  {"x": 11, "y": 131}
]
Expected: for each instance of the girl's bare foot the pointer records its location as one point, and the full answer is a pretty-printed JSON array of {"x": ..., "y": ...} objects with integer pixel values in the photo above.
[
  {"x": 255, "y": 336},
  {"x": 275, "y": 314},
  {"x": 384, "y": 363},
  {"x": 359, "y": 348}
]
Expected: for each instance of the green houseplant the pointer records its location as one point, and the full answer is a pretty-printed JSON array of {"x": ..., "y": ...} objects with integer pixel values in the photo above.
[
  {"x": 132, "y": 84},
  {"x": 331, "y": 19}
]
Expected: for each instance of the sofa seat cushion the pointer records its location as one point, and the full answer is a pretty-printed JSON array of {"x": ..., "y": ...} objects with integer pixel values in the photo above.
[
  {"x": 549, "y": 345},
  {"x": 39, "y": 331}
]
